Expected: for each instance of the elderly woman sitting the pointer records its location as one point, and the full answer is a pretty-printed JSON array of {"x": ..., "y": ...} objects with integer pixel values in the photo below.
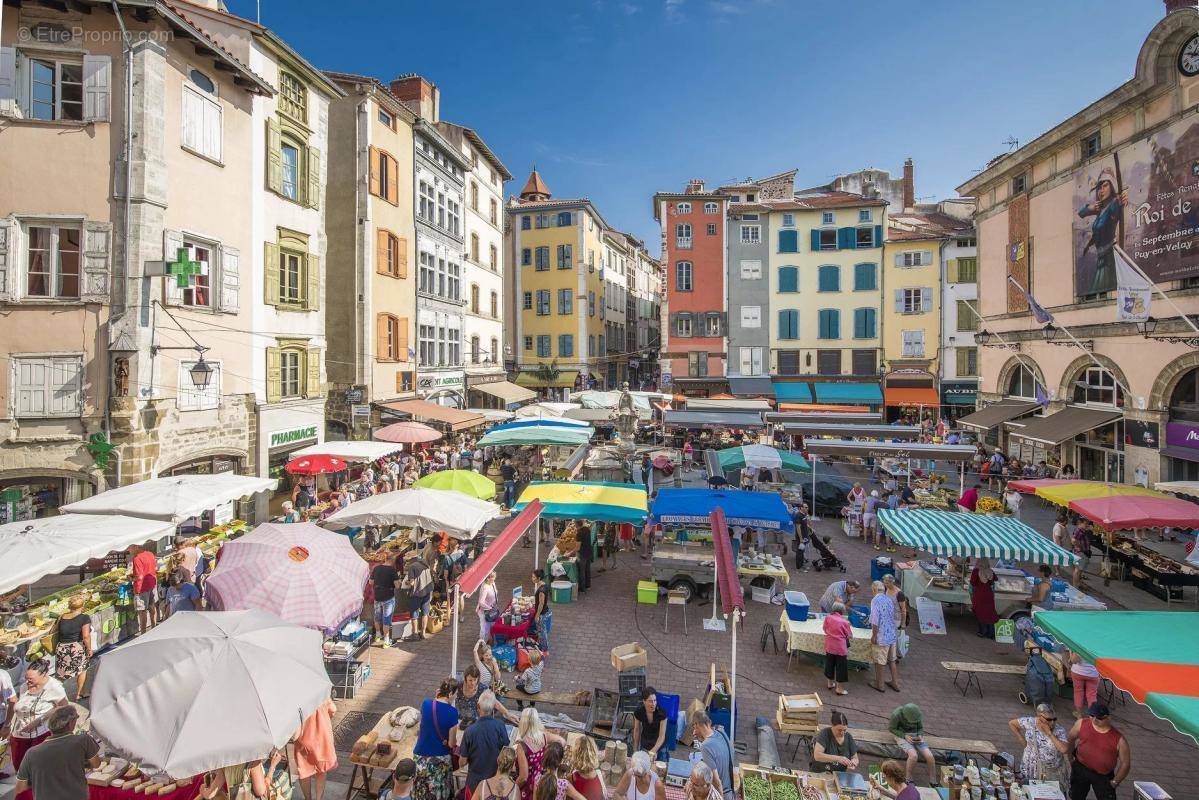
[
  {"x": 701, "y": 785},
  {"x": 640, "y": 782}
]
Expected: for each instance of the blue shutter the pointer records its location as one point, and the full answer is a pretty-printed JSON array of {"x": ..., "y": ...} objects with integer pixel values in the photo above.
[
  {"x": 788, "y": 279},
  {"x": 847, "y": 238},
  {"x": 834, "y": 324},
  {"x": 926, "y": 299},
  {"x": 872, "y": 316},
  {"x": 788, "y": 241},
  {"x": 878, "y": 235},
  {"x": 815, "y": 240},
  {"x": 823, "y": 327},
  {"x": 859, "y": 323}
]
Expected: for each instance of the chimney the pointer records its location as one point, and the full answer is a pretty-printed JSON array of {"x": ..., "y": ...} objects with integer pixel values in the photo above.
[
  {"x": 418, "y": 94},
  {"x": 909, "y": 185},
  {"x": 695, "y": 186},
  {"x": 1175, "y": 5}
]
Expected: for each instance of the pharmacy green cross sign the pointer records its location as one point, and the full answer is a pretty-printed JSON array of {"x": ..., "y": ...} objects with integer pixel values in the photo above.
[{"x": 183, "y": 268}]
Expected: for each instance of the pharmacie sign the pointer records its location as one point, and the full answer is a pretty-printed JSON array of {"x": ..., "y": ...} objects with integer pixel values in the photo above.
[{"x": 290, "y": 435}]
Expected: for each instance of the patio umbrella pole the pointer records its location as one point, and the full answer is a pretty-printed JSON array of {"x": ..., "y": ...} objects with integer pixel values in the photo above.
[
  {"x": 454, "y": 639},
  {"x": 733, "y": 681},
  {"x": 815, "y": 516},
  {"x": 537, "y": 543},
  {"x": 909, "y": 470}
]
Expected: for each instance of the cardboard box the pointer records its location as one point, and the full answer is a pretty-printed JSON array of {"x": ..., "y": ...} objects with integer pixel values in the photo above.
[{"x": 629, "y": 656}]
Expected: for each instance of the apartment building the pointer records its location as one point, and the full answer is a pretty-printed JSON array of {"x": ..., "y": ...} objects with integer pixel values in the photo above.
[
  {"x": 643, "y": 307},
  {"x": 618, "y": 256}
]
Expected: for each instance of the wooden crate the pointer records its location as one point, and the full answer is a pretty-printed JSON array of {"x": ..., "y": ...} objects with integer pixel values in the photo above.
[
  {"x": 799, "y": 713},
  {"x": 772, "y": 778}
]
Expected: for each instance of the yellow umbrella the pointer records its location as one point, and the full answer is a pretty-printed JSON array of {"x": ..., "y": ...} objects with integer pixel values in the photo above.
[{"x": 1061, "y": 494}]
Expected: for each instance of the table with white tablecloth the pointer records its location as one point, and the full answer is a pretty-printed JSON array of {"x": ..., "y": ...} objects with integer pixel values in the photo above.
[{"x": 808, "y": 637}]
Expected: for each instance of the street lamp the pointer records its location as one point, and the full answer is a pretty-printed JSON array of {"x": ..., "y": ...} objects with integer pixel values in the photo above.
[
  {"x": 1049, "y": 331},
  {"x": 1147, "y": 327},
  {"x": 983, "y": 337},
  {"x": 200, "y": 372}
]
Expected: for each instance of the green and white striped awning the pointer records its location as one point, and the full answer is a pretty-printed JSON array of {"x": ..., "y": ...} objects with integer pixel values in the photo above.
[{"x": 948, "y": 533}]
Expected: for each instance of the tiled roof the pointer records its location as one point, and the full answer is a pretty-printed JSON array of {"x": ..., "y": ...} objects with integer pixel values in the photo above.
[
  {"x": 836, "y": 199},
  {"x": 382, "y": 93},
  {"x": 475, "y": 139},
  {"x": 915, "y": 225},
  {"x": 173, "y": 12},
  {"x": 535, "y": 185}
]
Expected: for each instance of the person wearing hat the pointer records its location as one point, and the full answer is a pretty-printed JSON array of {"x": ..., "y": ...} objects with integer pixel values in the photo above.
[
  {"x": 1107, "y": 208},
  {"x": 1101, "y": 757},
  {"x": 1045, "y": 746}
]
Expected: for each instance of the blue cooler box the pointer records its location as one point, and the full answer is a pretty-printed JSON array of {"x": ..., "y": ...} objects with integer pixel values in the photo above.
[
  {"x": 859, "y": 616},
  {"x": 880, "y": 566},
  {"x": 797, "y": 606}
]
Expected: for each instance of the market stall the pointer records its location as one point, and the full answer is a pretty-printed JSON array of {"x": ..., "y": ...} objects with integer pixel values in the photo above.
[
  {"x": 177, "y": 499},
  {"x": 431, "y": 509},
  {"x": 465, "y": 481},
  {"x": 545, "y": 410},
  {"x": 352, "y": 451},
  {"x": 760, "y": 456},
  {"x": 807, "y": 636},
  {"x": 407, "y": 432},
  {"x": 525, "y": 435}
]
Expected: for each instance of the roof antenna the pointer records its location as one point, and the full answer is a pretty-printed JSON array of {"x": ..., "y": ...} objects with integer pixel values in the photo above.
[
  {"x": 258, "y": 6},
  {"x": 1012, "y": 143}
]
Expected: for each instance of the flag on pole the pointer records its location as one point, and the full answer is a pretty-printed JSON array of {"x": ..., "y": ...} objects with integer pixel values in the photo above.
[
  {"x": 1134, "y": 291},
  {"x": 1038, "y": 312},
  {"x": 1041, "y": 397}
]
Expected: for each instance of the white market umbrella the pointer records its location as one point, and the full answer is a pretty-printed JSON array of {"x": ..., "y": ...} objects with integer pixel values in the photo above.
[
  {"x": 492, "y": 414},
  {"x": 207, "y": 689},
  {"x": 351, "y": 450},
  {"x": 546, "y": 409},
  {"x": 36, "y": 548},
  {"x": 176, "y": 498},
  {"x": 432, "y": 509}
]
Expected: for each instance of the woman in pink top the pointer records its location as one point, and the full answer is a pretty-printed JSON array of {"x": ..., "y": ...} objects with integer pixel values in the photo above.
[{"x": 837, "y": 633}]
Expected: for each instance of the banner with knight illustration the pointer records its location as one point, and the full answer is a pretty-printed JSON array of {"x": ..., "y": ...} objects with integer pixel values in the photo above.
[{"x": 1145, "y": 198}]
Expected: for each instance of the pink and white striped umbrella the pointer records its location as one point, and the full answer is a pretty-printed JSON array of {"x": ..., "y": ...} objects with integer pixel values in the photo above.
[{"x": 299, "y": 572}]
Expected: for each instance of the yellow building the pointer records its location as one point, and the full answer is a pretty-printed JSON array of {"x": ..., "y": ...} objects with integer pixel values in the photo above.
[
  {"x": 556, "y": 337},
  {"x": 824, "y": 252}
]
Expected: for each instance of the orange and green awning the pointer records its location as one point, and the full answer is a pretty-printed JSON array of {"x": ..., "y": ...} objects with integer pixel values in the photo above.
[{"x": 1152, "y": 655}]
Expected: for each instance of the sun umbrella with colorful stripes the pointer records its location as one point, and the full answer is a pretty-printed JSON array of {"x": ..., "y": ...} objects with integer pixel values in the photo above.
[
  {"x": 761, "y": 455},
  {"x": 947, "y": 533},
  {"x": 536, "y": 435},
  {"x": 1061, "y": 492},
  {"x": 597, "y": 501},
  {"x": 460, "y": 480},
  {"x": 1152, "y": 655},
  {"x": 407, "y": 433}
]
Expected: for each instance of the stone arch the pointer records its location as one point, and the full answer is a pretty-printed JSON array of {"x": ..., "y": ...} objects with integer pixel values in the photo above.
[
  {"x": 212, "y": 452},
  {"x": 1168, "y": 379},
  {"x": 1155, "y": 61},
  {"x": 1065, "y": 391},
  {"x": 1011, "y": 365}
]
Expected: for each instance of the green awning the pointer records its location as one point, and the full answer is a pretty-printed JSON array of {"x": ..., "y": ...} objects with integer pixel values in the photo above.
[
  {"x": 534, "y": 435},
  {"x": 532, "y": 379},
  {"x": 970, "y": 535},
  {"x": 761, "y": 455},
  {"x": 868, "y": 394}
]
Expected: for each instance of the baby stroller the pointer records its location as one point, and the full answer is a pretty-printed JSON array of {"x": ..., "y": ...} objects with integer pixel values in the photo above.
[
  {"x": 826, "y": 558},
  {"x": 1038, "y": 679}
]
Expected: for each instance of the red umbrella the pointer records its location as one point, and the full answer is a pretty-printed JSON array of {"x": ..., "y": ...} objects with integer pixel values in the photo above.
[
  {"x": 1137, "y": 511},
  {"x": 317, "y": 464},
  {"x": 407, "y": 433}
]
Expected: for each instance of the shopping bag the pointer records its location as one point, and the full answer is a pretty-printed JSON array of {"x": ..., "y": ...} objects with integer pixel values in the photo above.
[{"x": 903, "y": 643}]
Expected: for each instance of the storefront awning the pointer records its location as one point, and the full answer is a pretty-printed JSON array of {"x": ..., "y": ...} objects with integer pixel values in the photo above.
[
  {"x": 351, "y": 451},
  {"x": 1064, "y": 425},
  {"x": 848, "y": 447},
  {"x": 751, "y": 387},
  {"x": 423, "y": 410},
  {"x": 829, "y": 409},
  {"x": 712, "y": 419},
  {"x": 793, "y": 391},
  {"x": 719, "y": 404},
  {"x": 856, "y": 416},
  {"x": 998, "y": 413},
  {"x": 508, "y": 392},
  {"x": 911, "y": 396},
  {"x": 867, "y": 394},
  {"x": 907, "y": 433},
  {"x": 565, "y": 379}
]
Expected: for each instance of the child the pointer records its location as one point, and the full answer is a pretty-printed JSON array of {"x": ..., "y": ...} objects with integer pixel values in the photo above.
[
  {"x": 529, "y": 681},
  {"x": 552, "y": 785}
]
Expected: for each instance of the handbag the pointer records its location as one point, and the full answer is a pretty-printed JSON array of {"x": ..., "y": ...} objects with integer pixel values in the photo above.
[
  {"x": 491, "y": 614},
  {"x": 455, "y": 759}
]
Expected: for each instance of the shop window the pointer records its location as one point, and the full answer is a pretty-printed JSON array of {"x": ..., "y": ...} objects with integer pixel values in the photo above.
[
  {"x": 1184, "y": 401},
  {"x": 1097, "y": 386}
]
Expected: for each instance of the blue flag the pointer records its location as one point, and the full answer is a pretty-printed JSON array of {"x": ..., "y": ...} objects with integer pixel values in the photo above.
[
  {"x": 1042, "y": 398},
  {"x": 1039, "y": 314}
]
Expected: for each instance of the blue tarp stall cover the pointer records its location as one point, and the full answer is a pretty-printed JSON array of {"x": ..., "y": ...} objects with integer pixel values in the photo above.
[{"x": 695, "y": 506}]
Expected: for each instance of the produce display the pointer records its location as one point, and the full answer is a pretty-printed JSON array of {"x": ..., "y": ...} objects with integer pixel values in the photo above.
[
  {"x": 989, "y": 505},
  {"x": 785, "y": 790},
  {"x": 568, "y": 542},
  {"x": 754, "y": 787}
]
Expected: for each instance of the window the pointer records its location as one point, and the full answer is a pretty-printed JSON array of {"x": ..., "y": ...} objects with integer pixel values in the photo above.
[
  {"x": 190, "y": 398},
  {"x": 908, "y": 301},
  {"x": 565, "y": 256},
  {"x": 526, "y": 222},
  {"x": 967, "y": 358},
  {"x": 290, "y": 380},
  {"x": 828, "y": 362},
  {"x": 293, "y": 97},
  {"x": 751, "y": 270},
  {"x": 291, "y": 170},
  {"x": 682, "y": 235},
  {"x": 494, "y": 355},
  {"x": 971, "y": 242},
  {"x": 599, "y": 344},
  {"x": 47, "y": 387},
  {"x": 495, "y": 305},
  {"x": 865, "y": 277},
  {"x": 697, "y": 365},
  {"x": 474, "y": 247},
  {"x": 526, "y": 256},
  {"x": 385, "y": 118},
  {"x": 1020, "y": 183},
  {"x": 711, "y": 208},
  {"x": 751, "y": 316},
  {"x": 966, "y": 271},
  {"x": 789, "y": 241},
  {"x": 55, "y": 89},
  {"x": 542, "y": 258},
  {"x": 864, "y": 215},
  {"x": 526, "y": 301},
  {"x": 865, "y": 323},
  {"x": 474, "y": 350},
  {"x": 474, "y": 197},
  {"x": 201, "y": 117},
  {"x": 913, "y": 344},
  {"x": 52, "y": 261},
  {"x": 1022, "y": 383},
  {"x": 830, "y": 324},
  {"x": 393, "y": 338},
  {"x": 493, "y": 257},
  {"x": 711, "y": 228},
  {"x": 788, "y": 220},
  {"x": 566, "y": 345},
  {"x": 1098, "y": 385},
  {"x": 543, "y": 302},
  {"x": 528, "y": 343},
  {"x": 788, "y": 362},
  {"x": 682, "y": 324},
  {"x": 829, "y": 278},
  {"x": 750, "y": 197},
  {"x": 788, "y": 279},
  {"x": 788, "y": 324},
  {"x": 827, "y": 218},
  {"x": 826, "y": 239},
  {"x": 591, "y": 304},
  {"x": 474, "y": 298},
  {"x": 751, "y": 234},
  {"x": 752, "y": 360},
  {"x": 591, "y": 345},
  {"x": 385, "y": 183},
  {"x": 291, "y": 277},
  {"x": 864, "y": 362},
  {"x": 391, "y": 256},
  {"x": 565, "y": 219},
  {"x": 566, "y": 302},
  {"x": 750, "y": 217},
  {"x": 967, "y": 315},
  {"x": 427, "y": 209},
  {"x": 683, "y": 208},
  {"x": 543, "y": 346},
  {"x": 865, "y": 238},
  {"x": 198, "y": 293},
  {"x": 914, "y": 258},
  {"x": 682, "y": 276},
  {"x": 1091, "y": 145},
  {"x": 710, "y": 324}
]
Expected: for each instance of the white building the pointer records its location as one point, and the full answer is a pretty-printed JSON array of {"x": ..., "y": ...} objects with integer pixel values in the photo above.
[
  {"x": 482, "y": 266},
  {"x": 959, "y": 318},
  {"x": 643, "y": 334}
]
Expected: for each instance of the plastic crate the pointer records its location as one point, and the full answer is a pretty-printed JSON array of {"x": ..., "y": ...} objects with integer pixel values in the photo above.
[
  {"x": 631, "y": 682},
  {"x": 647, "y": 592}
]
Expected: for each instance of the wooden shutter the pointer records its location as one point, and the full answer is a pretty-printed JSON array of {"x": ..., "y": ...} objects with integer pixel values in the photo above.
[
  {"x": 402, "y": 339},
  {"x": 375, "y": 177},
  {"x": 30, "y": 386},
  {"x": 228, "y": 294},
  {"x": 393, "y": 181},
  {"x": 270, "y": 266},
  {"x": 8, "y": 79},
  {"x": 274, "y": 157},
  {"x": 312, "y": 195},
  {"x": 926, "y": 257},
  {"x": 847, "y": 238},
  {"x": 97, "y": 244},
  {"x": 7, "y": 229},
  {"x": 899, "y": 301},
  {"x": 312, "y": 382},
  {"x": 926, "y": 299},
  {"x": 382, "y": 261},
  {"x": 382, "y": 348},
  {"x": 878, "y": 235},
  {"x": 951, "y": 270},
  {"x": 65, "y": 391},
  {"x": 97, "y": 87},
  {"x": 274, "y": 375},
  {"x": 172, "y": 295},
  {"x": 401, "y": 253},
  {"x": 312, "y": 277}
]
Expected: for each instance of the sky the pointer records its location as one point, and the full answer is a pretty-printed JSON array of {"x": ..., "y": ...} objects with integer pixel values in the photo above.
[{"x": 616, "y": 99}]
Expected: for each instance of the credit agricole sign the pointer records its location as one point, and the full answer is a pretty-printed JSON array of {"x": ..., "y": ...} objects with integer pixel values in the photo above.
[{"x": 280, "y": 438}]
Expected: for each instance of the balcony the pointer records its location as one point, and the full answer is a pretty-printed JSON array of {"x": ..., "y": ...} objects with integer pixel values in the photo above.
[{"x": 683, "y": 243}]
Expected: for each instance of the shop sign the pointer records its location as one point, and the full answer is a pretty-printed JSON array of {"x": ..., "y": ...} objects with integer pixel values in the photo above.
[
  {"x": 222, "y": 513},
  {"x": 439, "y": 381},
  {"x": 1181, "y": 434},
  {"x": 360, "y": 411},
  {"x": 291, "y": 435},
  {"x": 1139, "y": 433},
  {"x": 354, "y": 395},
  {"x": 1005, "y": 631},
  {"x": 220, "y": 465}
]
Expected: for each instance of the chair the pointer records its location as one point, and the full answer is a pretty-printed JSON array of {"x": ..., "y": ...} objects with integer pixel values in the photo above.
[{"x": 676, "y": 597}]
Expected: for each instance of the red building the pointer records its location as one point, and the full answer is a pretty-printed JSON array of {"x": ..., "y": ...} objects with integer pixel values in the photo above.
[{"x": 695, "y": 314}]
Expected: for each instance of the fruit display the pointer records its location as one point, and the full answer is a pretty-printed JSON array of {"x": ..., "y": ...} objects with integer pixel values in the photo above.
[{"x": 568, "y": 542}]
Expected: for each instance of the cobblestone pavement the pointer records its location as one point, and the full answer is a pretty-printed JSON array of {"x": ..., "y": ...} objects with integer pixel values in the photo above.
[{"x": 585, "y": 631}]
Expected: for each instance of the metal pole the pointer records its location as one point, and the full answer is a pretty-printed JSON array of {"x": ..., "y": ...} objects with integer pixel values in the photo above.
[
  {"x": 909, "y": 470},
  {"x": 537, "y": 544},
  {"x": 962, "y": 479},
  {"x": 454, "y": 640},
  {"x": 733, "y": 681},
  {"x": 812, "y": 510}
]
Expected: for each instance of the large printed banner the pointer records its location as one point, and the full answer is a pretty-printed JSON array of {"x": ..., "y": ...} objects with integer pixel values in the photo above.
[{"x": 1144, "y": 197}]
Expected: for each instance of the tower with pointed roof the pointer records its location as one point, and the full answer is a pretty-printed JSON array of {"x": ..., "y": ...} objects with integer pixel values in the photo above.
[{"x": 535, "y": 189}]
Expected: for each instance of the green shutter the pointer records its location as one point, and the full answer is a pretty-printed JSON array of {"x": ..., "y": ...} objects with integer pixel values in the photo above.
[
  {"x": 788, "y": 241},
  {"x": 815, "y": 240},
  {"x": 274, "y": 375},
  {"x": 312, "y": 195},
  {"x": 270, "y": 265},
  {"x": 274, "y": 157},
  {"x": 951, "y": 270},
  {"x": 312, "y": 276}
]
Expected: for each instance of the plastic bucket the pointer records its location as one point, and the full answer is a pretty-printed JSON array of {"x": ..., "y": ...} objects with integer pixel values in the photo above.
[{"x": 560, "y": 591}]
